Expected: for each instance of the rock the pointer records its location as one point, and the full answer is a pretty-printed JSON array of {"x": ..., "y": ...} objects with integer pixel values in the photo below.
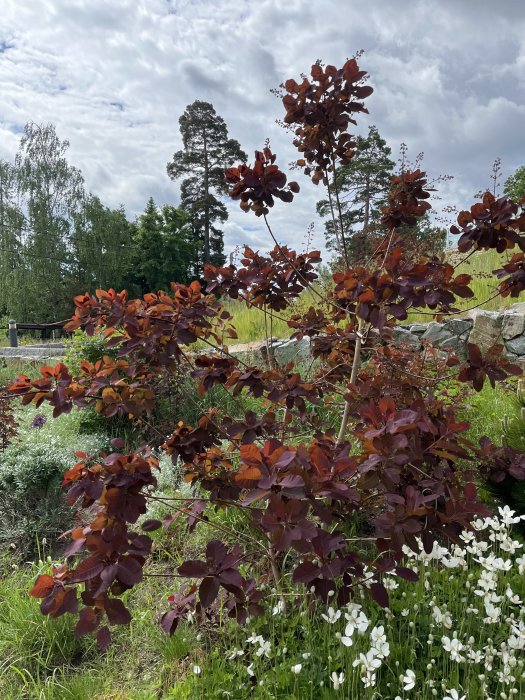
[
  {"x": 458, "y": 343},
  {"x": 517, "y": 308},
  {"x": 405, "y": 337},
  {"x": 458, "y": 326},
  {"x": 292, "y": 351},
  {"x": 486, "y": 330},
  {"x": 513, "y": 325},
  {"x": 516, "y": 345},
  {"x": 31, "y": 352},
  {"x": 418, "y": 328},
  {"x": 436, "y": 334},
  {"x": 247, "y": 348}
]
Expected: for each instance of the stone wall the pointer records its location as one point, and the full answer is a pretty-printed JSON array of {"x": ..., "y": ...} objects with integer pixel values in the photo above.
[{"x": 483, "y": 328}]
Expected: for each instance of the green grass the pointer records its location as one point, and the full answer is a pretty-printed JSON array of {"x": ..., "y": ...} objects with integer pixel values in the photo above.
[
  {"x": 484, "y": 284},
  {"x": 42, "y": 659},
  {"x": 251, "y": 325}
]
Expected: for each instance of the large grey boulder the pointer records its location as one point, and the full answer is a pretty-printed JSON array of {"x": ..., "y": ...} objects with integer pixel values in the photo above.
[
  {"x": 517, "y": 308},
  {"x": 513, "y": 325},
  {"x": 405, "y": 337},
  {"x": 458, "y": 326},
  {"x": 291, "y": 351},
  {"x": 436, "y": 334},
  {"x": 418, "y": 328},
  {"x": 516, "y": 346},
  {"x": 486, "y": 330}
]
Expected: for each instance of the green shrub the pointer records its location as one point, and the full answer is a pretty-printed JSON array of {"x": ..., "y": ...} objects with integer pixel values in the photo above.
[
  {"x": 81, "y": 346},
  {"x": 32, "y": 503}
]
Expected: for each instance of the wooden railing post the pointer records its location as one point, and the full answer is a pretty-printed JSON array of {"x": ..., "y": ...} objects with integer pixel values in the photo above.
[{"x": 13, "y": 335}]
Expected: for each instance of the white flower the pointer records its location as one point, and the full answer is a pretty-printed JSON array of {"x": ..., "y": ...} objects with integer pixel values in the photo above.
[
  {"x": 390, "y": 584},
  {"x": 306, "y": 655},
  {"x": 475, "y": 656},
  {"x": 264, "y": 649},
  {"x": 382, "y": 649},
  {"x": 378, "y": 634},
  {"x": 513, "y": 597},
  {"x": 297, "y": 668},
  {"x": 493, "y": 613},
  {"x": 507, "y": 516},
  {"x": 197, "y": 670},
  {"x": 357, "y": 620},
  {"x": 277, "y": 610},
  {"x": 337, "y": 680},
  {"x": 347, "y": 641},
  {"x": 368, "y": 662},
  {"x": 520, "y": 563},
  {"x": 409, "y": 680},
  {"x": 442, "y": 617},
  {"x": 234, "y": 653},
  {"x": 249, "y": 670},
  {"x": 453, "y": 646},
  {"x": 369, "y": 680},
  {"x": 332, "y": 617},
  {"x": 453, "y": 695}
]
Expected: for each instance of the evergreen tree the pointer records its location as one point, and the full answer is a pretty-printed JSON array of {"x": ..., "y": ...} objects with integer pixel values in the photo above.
[
  {"x": 207, "y": 152},
  {"x": 216, "y": 212},
  {"x": 362, "y": 186},
  {"x": 164, "y": 250}
]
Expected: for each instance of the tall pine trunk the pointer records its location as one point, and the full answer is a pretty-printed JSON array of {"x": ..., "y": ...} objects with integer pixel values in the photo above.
[{"x": 206, "y": 204}]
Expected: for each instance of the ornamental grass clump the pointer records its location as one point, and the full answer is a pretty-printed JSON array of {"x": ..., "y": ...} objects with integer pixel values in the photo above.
[{"x": 329, "y": 509}]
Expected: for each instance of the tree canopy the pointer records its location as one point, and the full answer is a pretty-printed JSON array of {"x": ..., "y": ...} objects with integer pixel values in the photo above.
[
  {"x": 57, "y": 240},
  {"x": 515, "y": 184},
  {"x": 164, "y": 249}
]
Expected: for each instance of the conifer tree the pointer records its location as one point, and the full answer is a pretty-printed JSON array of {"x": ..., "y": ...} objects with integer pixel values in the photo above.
[
  {"x": 207, "y": 151},
  {"x": 361, "y": 186}
]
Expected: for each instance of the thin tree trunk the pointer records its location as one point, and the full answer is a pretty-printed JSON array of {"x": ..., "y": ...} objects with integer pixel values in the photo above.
[
  {"x": 366, "y": 220},
  {"x": 206, "y": 203}
]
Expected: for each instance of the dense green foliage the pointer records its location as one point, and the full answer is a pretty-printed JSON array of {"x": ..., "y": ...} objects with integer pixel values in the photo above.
[
  {"x": 164, "y": 250},
  {"x": 58, "y": 240},
  {"x": 356, "y": 199},
  {"x": 515, "y": 184}
]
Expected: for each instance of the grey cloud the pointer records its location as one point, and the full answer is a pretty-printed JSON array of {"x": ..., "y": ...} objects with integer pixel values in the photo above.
[{"x": 449, "y": 80}]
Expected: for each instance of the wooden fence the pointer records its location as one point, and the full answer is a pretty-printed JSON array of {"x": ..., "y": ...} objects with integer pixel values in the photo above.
[{"x": 46, "y": 329}]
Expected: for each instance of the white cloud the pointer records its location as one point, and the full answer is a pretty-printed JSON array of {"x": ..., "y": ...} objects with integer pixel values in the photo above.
[{"x": 115, "y": 77}]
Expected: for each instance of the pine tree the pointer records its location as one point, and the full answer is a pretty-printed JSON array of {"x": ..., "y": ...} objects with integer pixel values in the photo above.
[
  {"x": 206, "y": 152},
  {"x": 362, "y": 186},
  {"x": 360, "y": 190}
]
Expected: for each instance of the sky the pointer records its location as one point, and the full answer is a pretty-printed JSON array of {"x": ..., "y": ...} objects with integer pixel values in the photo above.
[{"x": 114, "y": 77}]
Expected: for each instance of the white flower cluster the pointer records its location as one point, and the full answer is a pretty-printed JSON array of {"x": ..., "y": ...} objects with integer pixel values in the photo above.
[
  {"x": 476, "y": 620},
  {"x": 502, "y": 607}
]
